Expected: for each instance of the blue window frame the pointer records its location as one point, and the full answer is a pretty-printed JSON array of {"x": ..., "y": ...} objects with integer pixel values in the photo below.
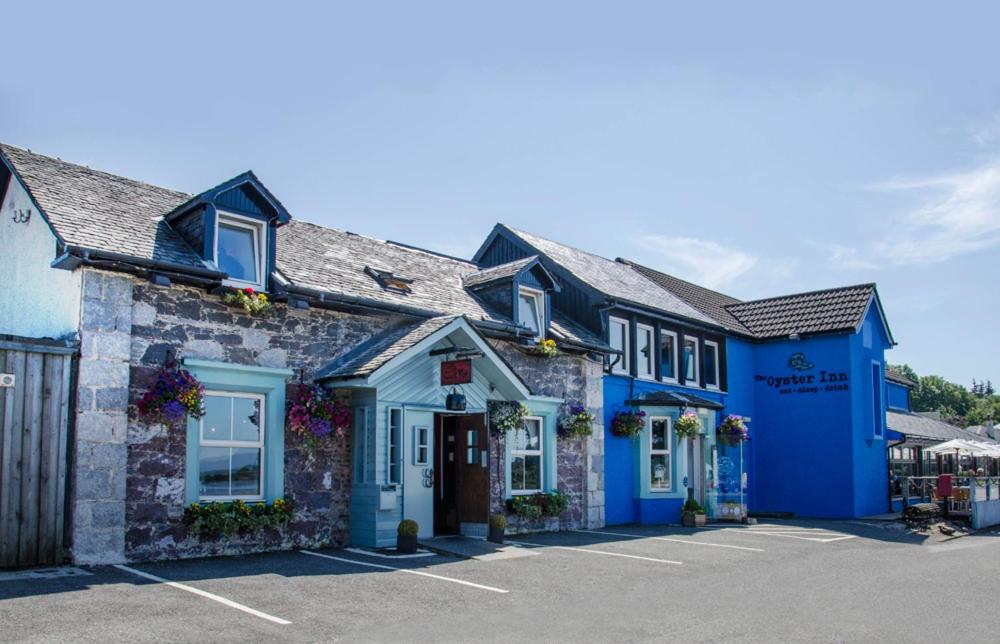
[{"x": 878, "y": 417}]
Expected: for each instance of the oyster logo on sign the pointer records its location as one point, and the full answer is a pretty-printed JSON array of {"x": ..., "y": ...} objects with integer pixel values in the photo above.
[{"x": 800, "y": 382}]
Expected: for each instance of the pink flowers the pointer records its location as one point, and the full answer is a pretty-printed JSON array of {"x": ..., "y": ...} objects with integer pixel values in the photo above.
[
  {"x": 314, "y": 413},
  {"x": 173, "y": 395}
]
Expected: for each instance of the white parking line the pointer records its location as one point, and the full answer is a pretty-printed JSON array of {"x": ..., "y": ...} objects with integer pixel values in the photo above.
[
  {"x": 597, "y": 552},
  {"x": 406, "y": 570},
  {"x": 670, "y": 539},
  {"x": 816, "y": 537},
  {"x": 206, "y": 595}
]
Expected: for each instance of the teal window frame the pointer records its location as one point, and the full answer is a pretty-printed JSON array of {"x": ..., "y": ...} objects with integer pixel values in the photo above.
[
  {"x": 548, "y": 413},
  {"x": 642, "y": 488},
  {"x": 269, "y": 382}
]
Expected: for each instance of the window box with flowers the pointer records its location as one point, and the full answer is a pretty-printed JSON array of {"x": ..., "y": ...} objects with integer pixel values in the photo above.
[
  {"x": 252, "y": 302},
  {"x": 218, "y": 518},
  {"x": 546, "y": 348}
]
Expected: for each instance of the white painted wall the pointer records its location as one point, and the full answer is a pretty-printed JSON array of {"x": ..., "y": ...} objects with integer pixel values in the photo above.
[{"x": 36, "y": 300}]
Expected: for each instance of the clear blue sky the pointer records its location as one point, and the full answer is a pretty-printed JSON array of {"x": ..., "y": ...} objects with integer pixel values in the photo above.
[{"x": 757, "y": 148}]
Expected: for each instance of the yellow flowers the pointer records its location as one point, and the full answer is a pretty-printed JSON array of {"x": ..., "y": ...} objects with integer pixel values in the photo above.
[
  {"x": 249, "y": 300},
  {"x": 546, "y": 348}
]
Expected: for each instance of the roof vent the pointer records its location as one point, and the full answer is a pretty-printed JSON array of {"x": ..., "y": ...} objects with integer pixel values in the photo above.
[{"x": 389, "y": 281}]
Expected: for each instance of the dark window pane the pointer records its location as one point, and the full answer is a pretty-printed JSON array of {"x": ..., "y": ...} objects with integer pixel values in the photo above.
[
  {"x": 532, "y": 472},
  {"x": 214, "y": 471},
  {"x": 659, "y": 428},
  {"x": 246, "y": 471}
]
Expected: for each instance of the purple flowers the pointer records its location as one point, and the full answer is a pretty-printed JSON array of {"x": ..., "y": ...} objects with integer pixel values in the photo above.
[
  {"x": 174, "y": 394},
  {"x": 314, "y": 413},
  {"x": 173, "y": 410},
  {"x": 732, "y": 430}
]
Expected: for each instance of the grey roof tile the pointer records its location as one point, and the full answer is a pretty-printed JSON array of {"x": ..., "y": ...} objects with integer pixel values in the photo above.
[
  {"x": 898, "y": 378},
  {"x": 103, "y": 211},
  {"x": 613, "y": 279},
  {"x": 928, "y": 429},
  {"x": 709, "y": 302},
  {"x": 366, "y": 358},
  {"x": 827, "y": 311}
]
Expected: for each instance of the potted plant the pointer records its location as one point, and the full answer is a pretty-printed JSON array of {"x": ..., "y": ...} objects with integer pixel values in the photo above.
[
  {"x": 693, "y": 515},
  {"x": 406, "y": 536},
  {"x": 498, "y": 525},
  {"x": 628, "y": 422}
]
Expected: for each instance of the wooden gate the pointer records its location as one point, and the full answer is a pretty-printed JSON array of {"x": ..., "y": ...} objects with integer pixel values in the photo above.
[{"x": 35, "y": 404}]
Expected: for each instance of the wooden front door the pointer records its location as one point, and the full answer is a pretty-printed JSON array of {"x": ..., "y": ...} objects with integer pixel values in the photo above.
[{"x": 462, "y": 481}]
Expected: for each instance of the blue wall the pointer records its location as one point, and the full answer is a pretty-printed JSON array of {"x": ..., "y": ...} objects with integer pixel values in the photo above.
[{"x": 899, "y": 396}]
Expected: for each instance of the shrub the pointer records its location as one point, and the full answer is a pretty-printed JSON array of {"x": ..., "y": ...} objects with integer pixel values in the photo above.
[
  {"x": 692, "y": 507},
  {"x": 498, "y": 521},
  {"x": 408, "y": 528},
  {"x": 531, "y": 507},
  {"x": 218, "y": 518}
]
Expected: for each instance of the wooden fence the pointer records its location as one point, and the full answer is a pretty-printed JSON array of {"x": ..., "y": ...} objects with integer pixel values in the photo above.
[{"x": 34, "y": 418}]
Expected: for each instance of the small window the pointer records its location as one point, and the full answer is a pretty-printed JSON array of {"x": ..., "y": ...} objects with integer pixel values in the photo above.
[
  {"x": 239, "y": 250},
  {"x": 421, "y": 445},
  {"x": 878, "y": 419},
  {"x": 644, "y": 351},
  {"x": 618, "y": 339},
  {"x": 364, "y": 444},
  {"x": 472, "y": 447},
  {"x": 711, "y": 364},
  {"x": 531, "y": 310},
  {"x": 395, "y": 434},
  {"x": 526, "y": 458},
  {"x": 231, "y": 446},
  {"x": 668, "y": 356},
  {"x": 659, "y": 454},
  {"x": 691, "y": 361}
]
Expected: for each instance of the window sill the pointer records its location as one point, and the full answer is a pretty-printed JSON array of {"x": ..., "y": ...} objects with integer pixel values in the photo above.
[{"x": 258, "y": 288}]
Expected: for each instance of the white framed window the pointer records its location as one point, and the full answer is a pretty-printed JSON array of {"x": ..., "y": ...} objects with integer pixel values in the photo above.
[
  {"x": 421, "y": 444},
  {"x": 668, "y": 356},
  {"x": 531, "y": 309},
  {"x": 526, "y": 460},
  {"x": 618, "y": 339},
  {"x": 711, "y": 364},
  {"x": 395, "y": 445},
  {"x": 645, "y": 351},
  {"x": 231, "y": 446},
  {"x": 240, "y": 250},
  {"x": 660, "y": 436},
  {"x": 691, "y": 361}
]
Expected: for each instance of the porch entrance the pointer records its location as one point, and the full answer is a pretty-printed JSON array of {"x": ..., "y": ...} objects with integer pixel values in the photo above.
[{"x": 462, "y": 481}]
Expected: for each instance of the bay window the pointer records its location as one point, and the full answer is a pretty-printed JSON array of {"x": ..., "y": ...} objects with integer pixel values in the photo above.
[
  {"x": 711, "y": 364},
  {"x": 668, "y": 356},
  {"x": 619, "y": 340},
  {"x": 526, "y": 457},
  {"x": 691, "y": 360},
  {"x": 659, "y": 454},
  {"x": 644, "y": 351}
]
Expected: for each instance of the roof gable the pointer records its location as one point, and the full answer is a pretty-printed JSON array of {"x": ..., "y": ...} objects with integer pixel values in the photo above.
[
  {"x": 243, "y": 193},
  {"x": 512, "y": 271},
  {"x": 827, "y": 311}
]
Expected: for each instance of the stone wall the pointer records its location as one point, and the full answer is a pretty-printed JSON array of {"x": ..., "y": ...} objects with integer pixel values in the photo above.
[{"x": 580, "y": 461}]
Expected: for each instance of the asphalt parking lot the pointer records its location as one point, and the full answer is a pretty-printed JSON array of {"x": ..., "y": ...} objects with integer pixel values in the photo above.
[{"x": 778, "y": 581}]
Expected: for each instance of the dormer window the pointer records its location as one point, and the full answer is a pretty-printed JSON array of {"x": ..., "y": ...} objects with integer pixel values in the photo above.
[
  {"x": 390, "y": 281},
  {"x": 531, "y": 309},
  {"x": 240, "y": 250}
]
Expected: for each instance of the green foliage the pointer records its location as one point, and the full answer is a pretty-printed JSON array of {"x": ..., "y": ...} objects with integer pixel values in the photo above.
[
  {"x": 408, "y": 528},
  {"x": 212, "y": 519},
  {"x": 498, "y": 521},
  {"x": 531, "y": 507},
  {"x": 692, "y": 507},
  {"x": 958, "y": 405}
]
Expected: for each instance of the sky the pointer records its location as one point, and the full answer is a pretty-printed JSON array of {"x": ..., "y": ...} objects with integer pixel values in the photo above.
[{"x": 755, "y": 148}]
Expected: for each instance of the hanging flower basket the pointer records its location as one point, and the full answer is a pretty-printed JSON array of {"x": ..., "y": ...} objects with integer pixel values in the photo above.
[
  {"x": 544, "y": 348},
  {"x": 316, "y": 415},
  {"x": 628, "y": 423},
  {"x": 579, "y": 421},
  {"x": 688, "y": 425},
  {"x": 732, "y": 431},
  {"x": 174, "y": 394},
  {"x": 250, "y": 301},
  {"x": 507, "y": 415}
]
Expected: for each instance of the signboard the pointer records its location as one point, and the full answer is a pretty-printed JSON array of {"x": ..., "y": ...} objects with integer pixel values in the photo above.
[
  {"x": 456, "y": 372},
  {"x": 798, "y": 381}
]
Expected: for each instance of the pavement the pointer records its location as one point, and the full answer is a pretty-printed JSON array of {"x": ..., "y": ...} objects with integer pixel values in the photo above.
[{"x": 778, "y": 581}]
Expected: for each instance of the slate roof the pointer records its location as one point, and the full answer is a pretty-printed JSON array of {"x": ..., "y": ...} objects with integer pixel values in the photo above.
[
  {"x": 613, "y": 279},
  {"x": 711, "y": 303},
  {"x": 494, "y": 273},
  {"x": 923, "y": 429},
  {"x": 366, "y": 358},
  {"x": 103, "y": 211},
  {"x": 831, "y": 310},
  {"x": 899, "y": 379}
]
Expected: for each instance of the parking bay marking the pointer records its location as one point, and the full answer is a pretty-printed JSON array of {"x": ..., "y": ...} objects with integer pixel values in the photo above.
[
  {"x": 795, "y": 534},
  {"x": 205, "y": 594},
  {"x": 670, "y": 539},
  {"x": 406, "y": 570},
  {"x": 597, "y": 552}
]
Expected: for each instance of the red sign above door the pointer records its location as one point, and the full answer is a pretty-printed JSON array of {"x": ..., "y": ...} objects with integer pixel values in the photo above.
[{"x": 456, "y": 372}]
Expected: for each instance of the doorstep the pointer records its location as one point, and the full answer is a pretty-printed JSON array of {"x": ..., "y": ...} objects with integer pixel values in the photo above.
[{"x": 473, "y": 548}]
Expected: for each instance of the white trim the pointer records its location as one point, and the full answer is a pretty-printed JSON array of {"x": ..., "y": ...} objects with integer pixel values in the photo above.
[
  {"x": 881, "y": 312},
  {"x": 418, "y": 444},
  {"x": 697, "y": 357},
  {"x": 258, "y": 444},
  {"x": 259, "y": 229},
  {"x": 540, "y": 453},
  {"x": 398, "y": 461},
  {"x": 652, "y": 349},
  {"x": 668, "y": 452},
  {"x": 673, "y": 356},
  {"x": 622, "y": 366},
  {"x": 539, "y": 297},
  {"x": 718, "y": 383}
]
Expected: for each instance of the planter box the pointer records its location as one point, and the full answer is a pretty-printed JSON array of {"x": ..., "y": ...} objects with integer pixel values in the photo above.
[
  {"x": 406, "y": 544},
  {"x": 693, "y": 520},
  {"x": 496, "y": 534}
]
